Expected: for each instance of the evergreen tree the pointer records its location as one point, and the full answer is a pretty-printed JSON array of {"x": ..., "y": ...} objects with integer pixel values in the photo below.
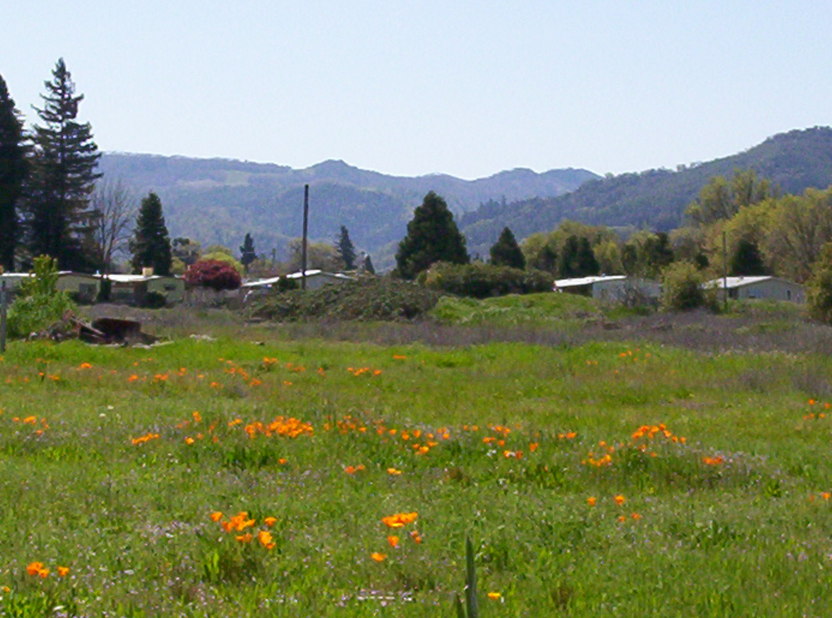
[
  {"x": 747, "y": 260},
  {"x": 247, "y": 252},
  {"x": 151, "y": 244},
  {"x": 577, "y": 259},
  {"x": 12, "y": 174},
  {"x": 346, "y": 249},
  {"x": 506, "y": 251},
  {"x": 546, "y": 260},
  {"x": 432, "y": 236},
  {"x": 61, "y": 221},
  {"x": 586, "y": 259},
  {"x": 368, "y": 265}
]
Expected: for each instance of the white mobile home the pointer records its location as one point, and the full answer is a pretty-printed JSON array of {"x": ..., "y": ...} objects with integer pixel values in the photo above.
[{"x": 758, "y": 287}]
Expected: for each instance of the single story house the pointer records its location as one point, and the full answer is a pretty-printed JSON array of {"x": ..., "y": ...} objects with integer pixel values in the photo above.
[
  {"x": 613, "y": 288},
  {"x": 758, "y": 287},
  {"x": 82, "y": 287},
  {"x": 12, "y": 281},
  {"x": 133, "y": 289},
  {"x": 316, "y": 279}
]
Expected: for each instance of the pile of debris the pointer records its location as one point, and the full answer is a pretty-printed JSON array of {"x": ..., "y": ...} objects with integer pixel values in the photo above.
[{"x": 102, "y": 331}]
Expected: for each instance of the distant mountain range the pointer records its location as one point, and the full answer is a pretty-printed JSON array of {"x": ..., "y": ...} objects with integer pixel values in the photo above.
[
  {"x": 656, "y": 199},
  {"x": 217, "y": 201}
]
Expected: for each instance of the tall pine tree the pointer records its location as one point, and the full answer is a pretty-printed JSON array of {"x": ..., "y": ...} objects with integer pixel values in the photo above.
[
  {"x": 247, "y": 252},
  {"x": 432, "y": 236},
  {"x": 60, "y": 220},
  {"x": 506, "y": 251},
  {"x": 151, "y": 244},
  {"x": 345, "y": 248},
  {"x": 12, "y": 174}
]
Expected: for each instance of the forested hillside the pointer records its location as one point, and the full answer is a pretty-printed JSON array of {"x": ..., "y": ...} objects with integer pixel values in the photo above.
[
  {"x": 656, "y": 199},
  {"x": 219, "y": 200}
]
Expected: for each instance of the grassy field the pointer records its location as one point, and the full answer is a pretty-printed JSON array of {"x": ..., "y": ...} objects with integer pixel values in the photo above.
[{"x": 599, "y": 477}]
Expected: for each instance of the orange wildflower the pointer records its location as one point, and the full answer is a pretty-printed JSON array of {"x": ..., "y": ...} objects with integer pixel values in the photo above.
[
  {"x": 282, "y": 461},
  {"x": 635, "y": 516},
  {"x": 244, "y": 538},
  {"x": 533, "y": 446},
  {"x": 417, "y": 538},
  {"x": 265, "y": 539},
  {"x": 393, "y": 541},
  {"x": 378, "y": 557},
  {"x": 34, "y": 568},
  {"x": 270, "y": 521},
  {"x": 592, "y": 501},
  {"x": 393, "y": 472},
  {"x": 494, "y": 596},
  {"x": 826, "y": 495},
  {"x": 619, "y": 499},
  {"x": 85, "y": 366},
  {"x": 189, "y": 440},
  {"x": 399, "y": 520},
  {"x": 63, "y": 571},
  {"x": 216, "y": 516}
]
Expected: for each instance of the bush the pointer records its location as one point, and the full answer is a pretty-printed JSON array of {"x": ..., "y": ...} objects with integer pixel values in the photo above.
[
  {"x": 370, "y": 298},
  {"x": 39, "y": 303},
  {"x": 484, "y": 280},
  {"x": 819, "y": 288},
  {"x": 215, "y": 274},
  {"x": 682, "y": 288},
  {"x": 154, "y": 300}
]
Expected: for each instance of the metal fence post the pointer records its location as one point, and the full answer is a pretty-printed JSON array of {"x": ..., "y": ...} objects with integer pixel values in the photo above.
[{"x": 2, "y": 316}]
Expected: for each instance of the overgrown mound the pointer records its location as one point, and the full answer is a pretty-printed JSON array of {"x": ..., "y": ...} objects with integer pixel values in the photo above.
[{"x": 377, "y": 298}]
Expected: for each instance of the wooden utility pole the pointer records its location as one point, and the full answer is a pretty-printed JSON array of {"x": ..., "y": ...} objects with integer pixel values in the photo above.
[
  {"x": 305, "y": 233},
  {"x": 725, "y": 269}
]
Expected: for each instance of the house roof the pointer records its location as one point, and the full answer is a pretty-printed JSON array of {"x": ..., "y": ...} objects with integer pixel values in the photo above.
[
  {"x": 319, "y": 273},
  {"x": 579, "y": 281},
  {"x": 122, "y": 278},
  {"x": 261, "y": 283},
  {"x": 731, "y": 283}
]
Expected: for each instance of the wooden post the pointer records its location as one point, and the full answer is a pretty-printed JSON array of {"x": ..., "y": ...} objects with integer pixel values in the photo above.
[
  {"x": 305, "y": 233},
  {"x": 725, "y": 269},
  {"x": 2, "y": 316}
]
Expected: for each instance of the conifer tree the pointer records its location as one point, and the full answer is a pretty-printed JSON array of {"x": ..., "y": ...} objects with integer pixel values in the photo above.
[
  {"x": 577, "y": 259},
  {"x": 506, "y": 251},
  {"x": 151, "y": 244},
  {"x": 12, "y": 174},
  {"x": 368, "y": 265},
  {"x": 345, "y": 248},
  {"x": 747, "y": 260},
  {"x": 432, "y": 236},
  {"x": 247, "y": 252},
  {"x": 60, "y": 220}
]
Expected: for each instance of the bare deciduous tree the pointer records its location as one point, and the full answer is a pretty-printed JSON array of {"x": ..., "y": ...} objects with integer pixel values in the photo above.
[{"x": 115, "y": 208}]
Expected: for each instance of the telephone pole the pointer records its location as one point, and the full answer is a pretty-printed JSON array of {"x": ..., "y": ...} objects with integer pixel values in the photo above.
[{"x": 305, "y": 234}]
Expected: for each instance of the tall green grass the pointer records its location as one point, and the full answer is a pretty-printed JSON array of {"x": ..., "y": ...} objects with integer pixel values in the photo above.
[{"x": 515, "y": 428}]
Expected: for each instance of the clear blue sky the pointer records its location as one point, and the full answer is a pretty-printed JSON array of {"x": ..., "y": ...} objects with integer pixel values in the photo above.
[{"x": 414, "y": 87}]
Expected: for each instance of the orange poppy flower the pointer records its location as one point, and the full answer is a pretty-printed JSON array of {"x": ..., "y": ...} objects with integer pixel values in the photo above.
[
  {"x": 378, "y": 557},
  {"x": 399, "y": 520},
  {"x": 393, "y": 541},
  {"x": 63, "y": 571}
]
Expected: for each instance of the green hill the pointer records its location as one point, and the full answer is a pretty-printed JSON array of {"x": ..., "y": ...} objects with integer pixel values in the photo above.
[
  {"x": 657, "y": 198},
  {"x": 219, "y": 200}
]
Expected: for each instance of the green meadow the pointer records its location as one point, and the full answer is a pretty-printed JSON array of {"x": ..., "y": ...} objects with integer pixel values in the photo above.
[{"x": 265, "y": 474}]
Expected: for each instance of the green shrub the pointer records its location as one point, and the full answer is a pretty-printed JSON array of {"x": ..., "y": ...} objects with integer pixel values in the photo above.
[
  {"x": 484, "y": 280},
  {"x": 371, "y": 298},
  {"x": 39, "y": 303},
  {"x": 154, "y": 300},
  {"x": 682, "y": 288},
  {"x": 819, "y": 288}
]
